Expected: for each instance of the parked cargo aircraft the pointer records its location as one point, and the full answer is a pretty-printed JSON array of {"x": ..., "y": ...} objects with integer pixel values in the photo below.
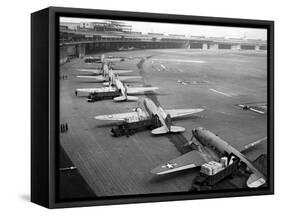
[
  {"x": 102, "y": 59},
  {"x": 152, "y": 110},
  {"x": 247, "y": 107},
  {"x": 109, "y": 77},
  {"x": 124, "y": 91},
  {"x": 104, "y": 70},
  {"x": 201, "y": 155}
]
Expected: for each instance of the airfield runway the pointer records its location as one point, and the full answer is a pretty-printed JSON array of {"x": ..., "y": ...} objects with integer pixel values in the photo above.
[{"x": 214, "y": 80}]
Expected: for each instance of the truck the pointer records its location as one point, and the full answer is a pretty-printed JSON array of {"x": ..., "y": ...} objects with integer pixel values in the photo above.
[
  {"x": 206, "y": 180},
  {"x": 96, "y": 96},
  {"x": 129, "y": 128}
]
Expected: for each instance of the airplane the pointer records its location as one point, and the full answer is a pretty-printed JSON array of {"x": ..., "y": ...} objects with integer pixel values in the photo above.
[
  {"x": 124, "y": 91},
  {"x": 201, "y": 155},
  {"x": 153, "y": 111},
  {"x": 91, "y": 59},
  {"x": 108, "y": 77},
  {"x": 103, "y": 70},
  {"x": 247, "y": 107},
  {"x": 102, "y": 59}
]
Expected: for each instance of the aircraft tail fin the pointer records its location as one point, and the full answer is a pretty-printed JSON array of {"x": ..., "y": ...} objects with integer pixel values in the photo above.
[
  {"x": 171, "y": 127},
  {"x": 255, "y": 180},
  {"x": 168, "y": 121},
  {"x": 102, "y": 58},
  {"x": 125, "y": 98}
]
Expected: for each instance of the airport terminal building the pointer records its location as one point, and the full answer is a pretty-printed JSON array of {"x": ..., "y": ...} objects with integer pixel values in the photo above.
[{"x": 80, "y": 39}]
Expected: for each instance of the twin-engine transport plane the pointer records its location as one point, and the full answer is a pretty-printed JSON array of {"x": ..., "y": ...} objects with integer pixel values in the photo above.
[
  {"x": 200, "y": 155},
  {"x": 108, "y": 76},
  {"x": 123, "y": 90},
  {"x": 102, "y": 71},
  {"x": 152, "y": 111},
  {"x": 102, "y": 59}
]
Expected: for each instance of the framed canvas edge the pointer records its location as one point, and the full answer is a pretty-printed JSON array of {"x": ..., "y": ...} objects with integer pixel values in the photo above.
[{"x": 57, "y": 11}]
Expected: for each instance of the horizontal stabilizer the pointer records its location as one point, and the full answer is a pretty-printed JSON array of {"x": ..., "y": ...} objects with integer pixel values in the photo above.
[
  {"x": 160, "y": 130},
  {"x": 176, "y": 129},
  {"x": 164, "y": 129},
  {"x": 255, "y": 181},
  {"x": 123, "y": 98}
]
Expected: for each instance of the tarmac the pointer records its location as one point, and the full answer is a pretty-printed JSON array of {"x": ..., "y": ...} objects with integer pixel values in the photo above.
[{"x": 214, "y": 80}]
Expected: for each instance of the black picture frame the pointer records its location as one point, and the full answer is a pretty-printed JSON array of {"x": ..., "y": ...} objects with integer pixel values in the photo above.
[{"x": 45, "y": 100}]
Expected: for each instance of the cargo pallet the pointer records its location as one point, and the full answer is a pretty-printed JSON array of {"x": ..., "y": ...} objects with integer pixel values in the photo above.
[
  {"x": 129, "y": 128},
  {"x": 96, "y": 96},
  {"x": 206, "y": 182}
]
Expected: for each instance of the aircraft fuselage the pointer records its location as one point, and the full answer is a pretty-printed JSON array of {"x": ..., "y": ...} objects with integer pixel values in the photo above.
[
  {"x": 207, "y": 138},
  {"x": 152, "y": 109}
]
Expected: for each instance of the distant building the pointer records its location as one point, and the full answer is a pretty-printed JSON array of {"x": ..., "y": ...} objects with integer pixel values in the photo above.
[
  {"x": 197, "y": 36},
  {"x": 155, "y": 34},
  {"x": 216, "y": 38},
  {"x": 70, "y": 26},
  {"x": 88, "y": 25},
  {"x": 176, "y": 35},
  {"x": 107, "y": 26}
]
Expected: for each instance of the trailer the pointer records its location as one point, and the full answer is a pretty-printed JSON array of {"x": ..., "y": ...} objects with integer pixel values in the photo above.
[
  {"x": 96, "y": 96},
  {"x": 207, "y": 181},
  {"x": 129, "y": 128}
]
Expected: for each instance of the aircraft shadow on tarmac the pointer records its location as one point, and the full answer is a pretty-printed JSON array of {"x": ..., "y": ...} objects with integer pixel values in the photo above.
[{"x": 106, "y": 125}]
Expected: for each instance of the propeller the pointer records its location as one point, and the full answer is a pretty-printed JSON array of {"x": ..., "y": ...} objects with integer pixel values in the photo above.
[
  {"x": 125, "y": 91},
  {"x": 191, "y": 140}
]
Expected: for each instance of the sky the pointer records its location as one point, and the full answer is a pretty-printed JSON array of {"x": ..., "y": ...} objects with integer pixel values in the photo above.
[{"x": 197, "y": 30}]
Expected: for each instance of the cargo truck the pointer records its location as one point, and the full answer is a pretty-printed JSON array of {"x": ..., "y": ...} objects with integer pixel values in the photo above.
[
  {"x": 129, "y": 128},
  {"x": 96, "y": 96},
  {"x": 213, "y": 172}
]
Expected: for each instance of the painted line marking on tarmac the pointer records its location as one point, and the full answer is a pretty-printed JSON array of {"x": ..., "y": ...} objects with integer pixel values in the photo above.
[
  {"x": 163, "y": 66},
  {"x": 182, "y": 60},
  {"x": 225, "y": 94}
]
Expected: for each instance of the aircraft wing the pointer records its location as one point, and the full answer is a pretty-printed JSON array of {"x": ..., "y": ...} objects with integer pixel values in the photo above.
[
  {"x": 182, "y": 112},
  {"x": 131, "y": 116},
  {"x": 99, "y": 89},
  {"x": 87, "y": 90},
  {"x": 98, "y": 78},
  {"x": 94, "y": 71},
  {"x": 251, "y": 145},
  {"x": 187, "y": 161},
  {"x": 123, "y": 78},
  {"x": 121, "y": 71},
  {"x": 135, "y": 90}
]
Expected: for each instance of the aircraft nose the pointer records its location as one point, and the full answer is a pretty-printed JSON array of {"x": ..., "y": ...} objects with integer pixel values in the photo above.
[{"x": 195, "y": 131}]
